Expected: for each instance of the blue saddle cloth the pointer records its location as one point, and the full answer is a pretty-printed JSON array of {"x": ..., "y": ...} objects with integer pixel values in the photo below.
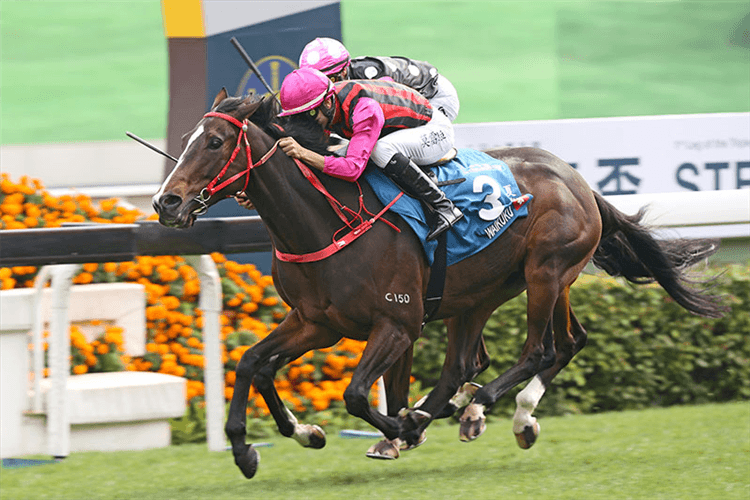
[{"x": 489, "y": 198}]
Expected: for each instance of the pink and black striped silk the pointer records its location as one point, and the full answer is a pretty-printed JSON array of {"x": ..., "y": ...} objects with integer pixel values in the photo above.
[{"x": 402, "y": 106}]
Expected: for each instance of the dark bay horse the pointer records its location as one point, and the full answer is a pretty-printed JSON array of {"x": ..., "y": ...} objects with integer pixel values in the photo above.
[{"x": 346, "y": 294}]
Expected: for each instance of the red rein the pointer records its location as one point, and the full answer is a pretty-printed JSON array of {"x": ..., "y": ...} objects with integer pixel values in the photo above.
[{"x": 362, "y": 227}]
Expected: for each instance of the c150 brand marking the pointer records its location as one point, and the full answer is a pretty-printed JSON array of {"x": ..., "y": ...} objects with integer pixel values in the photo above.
[{"x": 400, "y": 298}]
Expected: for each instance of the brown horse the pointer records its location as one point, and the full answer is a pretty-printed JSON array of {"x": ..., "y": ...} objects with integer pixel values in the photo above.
[{"x": 346, "y": 294}]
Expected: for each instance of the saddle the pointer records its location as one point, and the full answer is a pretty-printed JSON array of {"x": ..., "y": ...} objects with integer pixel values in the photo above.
[
  {"x": 490, "y": 201},
  {"x": 429, "y": 169}
]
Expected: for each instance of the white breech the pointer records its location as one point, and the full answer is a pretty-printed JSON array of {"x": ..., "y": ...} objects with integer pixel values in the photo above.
[{"x": 424, "y": 145}]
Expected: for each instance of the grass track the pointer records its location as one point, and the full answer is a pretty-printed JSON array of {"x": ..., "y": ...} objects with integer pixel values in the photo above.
[
  {"x": 77, "y": 70},
  {"x": 700, "y": 452}
]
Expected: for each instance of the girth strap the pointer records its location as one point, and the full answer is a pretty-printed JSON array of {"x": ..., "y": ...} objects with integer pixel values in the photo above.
[{"x": 434, "y": 295}]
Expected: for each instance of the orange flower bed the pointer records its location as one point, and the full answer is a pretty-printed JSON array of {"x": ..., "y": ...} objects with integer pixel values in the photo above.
[{"x": 174, "y": 322}]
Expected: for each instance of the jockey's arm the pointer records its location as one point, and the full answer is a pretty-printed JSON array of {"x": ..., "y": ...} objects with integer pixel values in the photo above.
[
  {"x": 294, "y": 150},
  {"x": 367, "y": 124}
]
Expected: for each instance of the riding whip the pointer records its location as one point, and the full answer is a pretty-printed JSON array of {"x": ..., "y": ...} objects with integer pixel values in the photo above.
[
  {"x": 151, "y": 146},
  {"x": 253, "y": 67}
]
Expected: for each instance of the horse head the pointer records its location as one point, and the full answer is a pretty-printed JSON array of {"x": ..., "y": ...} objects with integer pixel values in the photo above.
[{"x": 215, "y": 162}]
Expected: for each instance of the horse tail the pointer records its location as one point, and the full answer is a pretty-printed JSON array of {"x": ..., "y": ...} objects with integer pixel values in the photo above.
[{"x": 629, "y": 249}]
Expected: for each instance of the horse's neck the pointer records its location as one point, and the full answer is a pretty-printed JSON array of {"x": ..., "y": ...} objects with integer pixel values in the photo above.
[{"x": 297, "y": 215}]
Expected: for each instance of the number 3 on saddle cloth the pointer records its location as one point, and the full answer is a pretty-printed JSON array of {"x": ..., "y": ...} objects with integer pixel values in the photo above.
[{"x": 489, "y": 198}]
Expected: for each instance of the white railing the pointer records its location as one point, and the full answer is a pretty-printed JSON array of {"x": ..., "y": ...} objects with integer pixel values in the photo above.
[
  {"x": 689, "y": 208},
  {"x": 58, "y": 423}
]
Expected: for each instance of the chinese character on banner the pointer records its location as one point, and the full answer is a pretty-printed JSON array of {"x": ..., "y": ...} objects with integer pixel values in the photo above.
[{"x": 616, "y": 176}]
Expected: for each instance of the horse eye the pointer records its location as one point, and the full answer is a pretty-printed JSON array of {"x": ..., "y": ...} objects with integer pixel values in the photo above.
[{"x": 215, "y": 143}]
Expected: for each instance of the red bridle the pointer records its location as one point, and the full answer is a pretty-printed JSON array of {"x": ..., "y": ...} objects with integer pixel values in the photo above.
[{"x": 217, "y": 184}]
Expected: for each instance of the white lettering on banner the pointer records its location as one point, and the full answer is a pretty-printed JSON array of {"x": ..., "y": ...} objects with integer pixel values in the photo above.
[
  {"x": 500, "y": 222},
  {"x": 635, "y": 155},
  {"x": 492, "y": 199}
]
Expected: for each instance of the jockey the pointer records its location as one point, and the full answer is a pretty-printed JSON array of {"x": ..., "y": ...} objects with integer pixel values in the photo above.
[
  {"x": 386, "y": 122},
  {"x": 331, "y": 57}
]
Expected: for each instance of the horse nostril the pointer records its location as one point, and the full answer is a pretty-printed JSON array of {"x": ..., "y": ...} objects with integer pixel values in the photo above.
[{"x": 170, "y": 201}]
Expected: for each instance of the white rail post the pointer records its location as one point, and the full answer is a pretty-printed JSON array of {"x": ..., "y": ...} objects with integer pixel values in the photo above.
[
  {"x": 58, "y": 421},
  {"x": 37, "y": 339},
  {"x": 213, "y": 370},
  {"x": 382, "y": 403}
]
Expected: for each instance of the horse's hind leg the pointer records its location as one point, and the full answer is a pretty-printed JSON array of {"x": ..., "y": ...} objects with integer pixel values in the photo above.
[
  {"x": 570, "y": 338},
  {"x": 396, "y": 381},
  {"x": 397, "y": 390},
  {"x": 292, "y": 338},
  {"x": 479, "y": 362},
  {"x": 538, "y": 352}
]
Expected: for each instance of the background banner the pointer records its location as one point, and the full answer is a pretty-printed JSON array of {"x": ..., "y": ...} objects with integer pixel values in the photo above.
[
  {"x": 635, "y": 155},
  {"x": 202, "y": 60}
]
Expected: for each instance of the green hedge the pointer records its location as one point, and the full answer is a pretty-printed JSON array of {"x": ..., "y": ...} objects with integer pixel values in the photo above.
[{"x": 643, "y": 349}]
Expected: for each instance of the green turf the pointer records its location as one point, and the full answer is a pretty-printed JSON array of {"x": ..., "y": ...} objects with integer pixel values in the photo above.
[
  {"x": 626, "y": 58},
  {"x": 75, "y": 70},
  {"x": 82, "y": 70},
  {"x": 677, "y": 453}
]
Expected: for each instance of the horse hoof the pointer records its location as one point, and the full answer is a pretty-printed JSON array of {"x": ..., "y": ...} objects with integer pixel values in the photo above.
[
  {"x": 310, "y": 436},
  {"x": 384, "y": 450},
  {"x": 420, "y": 417},
  {"x": 470, "y": 430},
  {"x": 248, "y": 462},
  {"x": 317, "y": 438},
  {"x": 412, "y": 419},
  {"x": 527, "y": 437},
  {"x": 405, "y": 446},
  {"x": 472, "y": 423}
]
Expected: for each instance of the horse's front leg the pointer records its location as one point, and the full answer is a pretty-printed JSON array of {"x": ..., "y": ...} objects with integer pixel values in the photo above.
[
  {"x": 386, "y": 343},
  {"x": 397, "y": 381},
  {"x": 293, "y": 337}
]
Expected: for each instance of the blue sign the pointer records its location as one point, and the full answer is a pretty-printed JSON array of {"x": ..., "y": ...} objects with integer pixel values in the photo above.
[
  {"x": 273, "y": 69},
  {"x": 274, "y": 46}
]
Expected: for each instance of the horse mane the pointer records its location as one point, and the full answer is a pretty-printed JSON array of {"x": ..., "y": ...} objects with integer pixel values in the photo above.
[{"x": 302, "y": 127}]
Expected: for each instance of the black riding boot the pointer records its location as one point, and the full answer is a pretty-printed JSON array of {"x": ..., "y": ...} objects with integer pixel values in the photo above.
[{"x": 414, "y": 182}]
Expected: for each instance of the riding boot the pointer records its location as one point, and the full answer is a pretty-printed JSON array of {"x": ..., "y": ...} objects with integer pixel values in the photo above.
[{"x": 414, "y": 182}]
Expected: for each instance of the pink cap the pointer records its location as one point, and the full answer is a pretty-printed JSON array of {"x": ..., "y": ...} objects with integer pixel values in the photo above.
[
  {"x": 303, "y": 89},
  {"x": 324, "y": 54}
]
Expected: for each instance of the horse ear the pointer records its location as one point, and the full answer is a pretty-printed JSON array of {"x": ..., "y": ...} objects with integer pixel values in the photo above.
[
  {"x": 219, "y": 97},
  {"x": 248, "y": 107}
]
